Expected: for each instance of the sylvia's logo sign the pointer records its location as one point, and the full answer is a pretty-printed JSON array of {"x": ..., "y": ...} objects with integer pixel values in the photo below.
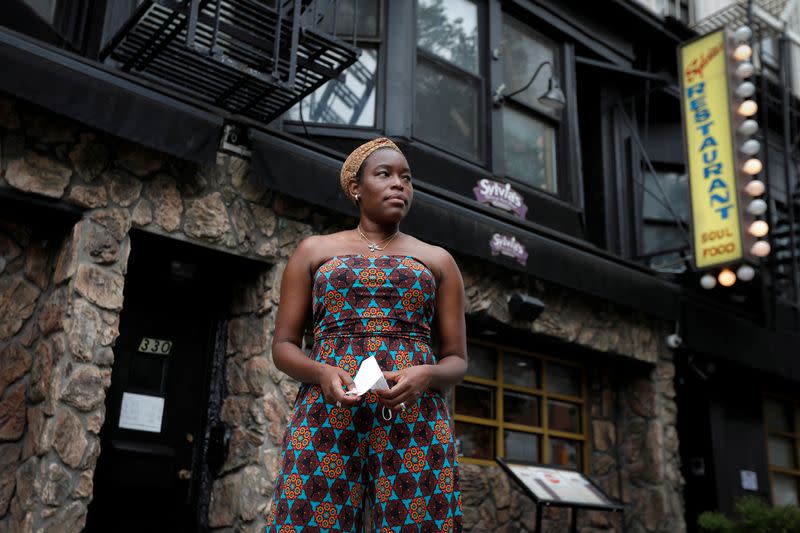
[
  {"x": 500, "y": 195},
  {"x": 508, "y": 246}
]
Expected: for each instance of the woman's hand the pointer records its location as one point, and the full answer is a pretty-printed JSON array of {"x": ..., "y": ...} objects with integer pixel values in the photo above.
[
  {"x": 410, "y": 384},
  {"x": 331, "y": 379}
]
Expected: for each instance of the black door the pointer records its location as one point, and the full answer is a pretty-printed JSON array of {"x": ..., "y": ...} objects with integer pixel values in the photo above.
[{"x": 148, "y": 472}]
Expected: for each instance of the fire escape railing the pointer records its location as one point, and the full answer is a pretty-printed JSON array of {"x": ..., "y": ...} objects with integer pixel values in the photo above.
[{"x": 252, "y": 58}]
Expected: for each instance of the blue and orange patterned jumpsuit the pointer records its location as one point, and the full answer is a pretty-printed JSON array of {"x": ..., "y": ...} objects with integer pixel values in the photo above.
[{"x": 335, "y": 458}]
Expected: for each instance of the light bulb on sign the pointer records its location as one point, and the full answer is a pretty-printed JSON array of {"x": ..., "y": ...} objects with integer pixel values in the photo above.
[
  {"x": 752, "y": 166},
  {"x": 745, "y": 70},
  {"x": 746, "y": 273},
  {"x": 726, "y": 277},
  {"x": 758, "y": 228},
  {"x": 742, "y": 52},
  {"x": 745, "y": 89},
  {"x": 755, "y": 188},
  {"x": 708, "y": 282},
  {"x": 757, "y": 207},
  {"x": 760, "y": 249},
  {"x": 748, "y": 108},
  {"x": 748, "y": 127},
  {"x": 750, "y": 147},
  {"x": 743, "y": 33}
]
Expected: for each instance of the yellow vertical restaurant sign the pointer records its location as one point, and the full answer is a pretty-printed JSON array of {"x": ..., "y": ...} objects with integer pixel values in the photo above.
[{"x": 709, "y": 151}]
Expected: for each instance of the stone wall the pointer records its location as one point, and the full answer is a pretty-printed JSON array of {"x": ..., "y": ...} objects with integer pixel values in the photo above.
[
  {"x": 122, "y": 186},
  {"x": 60, "y": 319}
]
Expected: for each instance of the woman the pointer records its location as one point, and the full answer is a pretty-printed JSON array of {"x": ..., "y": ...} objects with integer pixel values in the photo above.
[{"x": 374, "y": 291}]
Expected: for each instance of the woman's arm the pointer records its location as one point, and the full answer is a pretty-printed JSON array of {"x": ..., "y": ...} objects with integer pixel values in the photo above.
[
  {"x": 452, "y": 358},
  {"x": 293, "y": 308}
]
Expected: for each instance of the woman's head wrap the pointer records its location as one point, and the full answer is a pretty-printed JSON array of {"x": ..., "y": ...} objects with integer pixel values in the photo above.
[{"x": 357, "y": 158}]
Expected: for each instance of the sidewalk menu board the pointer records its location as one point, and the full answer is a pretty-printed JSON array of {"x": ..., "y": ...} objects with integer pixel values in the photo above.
[{"x": 555, "y": 486}]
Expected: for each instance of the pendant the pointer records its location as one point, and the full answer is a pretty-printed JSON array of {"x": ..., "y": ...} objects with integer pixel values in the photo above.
[{"x": 373, "y": 247}]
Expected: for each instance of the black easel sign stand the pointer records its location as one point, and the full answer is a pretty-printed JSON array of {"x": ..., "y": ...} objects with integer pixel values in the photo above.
[{"x": 558, "y": 487}]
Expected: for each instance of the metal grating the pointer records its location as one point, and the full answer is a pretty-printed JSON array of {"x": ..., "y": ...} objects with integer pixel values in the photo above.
[
  {"x": 253, "y": 58},
  {"x": 735, "y": 15}
]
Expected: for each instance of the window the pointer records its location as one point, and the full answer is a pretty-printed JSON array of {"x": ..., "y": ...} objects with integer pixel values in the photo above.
[
  {"x": 529, "y": 128},
  {"x": 521, "y": 407},
  {"x": 349, "y": 100},
  {"x": 448, "y": 87},
  {"x": 782, "y": 423},
  {"x": 664, "y": 196}
]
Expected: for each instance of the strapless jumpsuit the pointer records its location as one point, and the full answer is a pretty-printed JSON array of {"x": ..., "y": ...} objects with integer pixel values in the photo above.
[{"x": 334, "y": 459}]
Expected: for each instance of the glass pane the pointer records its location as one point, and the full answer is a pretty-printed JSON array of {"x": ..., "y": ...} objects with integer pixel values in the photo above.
[
  {"x": 565, "y": 453},
  {"x": 659, "y": 237},
  {"x": 350, "y": 100},
  {"x": 523, "y": 52},
  {"x": 475, "y": 441},
  {"x": 521, "y": 370},
  {"x": 530, "y": 149},
  {"x": 474, "y": 400},
  {"x": 521, "y": 446},
  {"x": 563, "y": 379},
  {"x": 781, "y": 452},
  {"x": 778, "y": 416},
  {"x": 449, "y": 29},
  {"x": 563, "y": 416},
  {"x": 521, "y": 409},
  {"x": 482, "y": 361},
  {"x": 44, "y": 8},
  {"x": 666, "y": 189},
  {"x": 447, "y": 109},
  {"x": 785, "y": 488},
  {"x": 367, "y": 18}
]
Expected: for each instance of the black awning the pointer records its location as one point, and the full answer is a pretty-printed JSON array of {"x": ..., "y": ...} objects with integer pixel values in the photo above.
[
  {"x": 313, "y": 176},
  {"x": 94, "y": 95}
]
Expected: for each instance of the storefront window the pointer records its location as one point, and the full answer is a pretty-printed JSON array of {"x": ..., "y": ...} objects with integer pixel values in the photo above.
[
  {"x": 524, "y": 406},
  {"x": 782, "y": 419}
]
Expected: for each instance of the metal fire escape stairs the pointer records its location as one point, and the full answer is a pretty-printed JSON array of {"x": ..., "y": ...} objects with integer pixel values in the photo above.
[
  {"x": 779, "y": 111},
  {"x": 251, "y": 58}
]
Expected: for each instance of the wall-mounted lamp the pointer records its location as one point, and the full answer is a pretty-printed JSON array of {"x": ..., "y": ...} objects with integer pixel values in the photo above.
[
  {"x": 524, "y": 307},
  {"x": 553, "y": 98}
]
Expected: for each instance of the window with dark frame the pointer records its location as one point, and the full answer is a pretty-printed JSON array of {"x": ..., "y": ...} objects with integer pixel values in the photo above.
[
  {"x": 449, "y": 85},
  {"x": 522, "y": 407},
  {"x": 664, "y": 211},
  {"x": 351, "y": 99},
  {"x": 782, "y": 426},
  {"x": 529, "y": 128}
]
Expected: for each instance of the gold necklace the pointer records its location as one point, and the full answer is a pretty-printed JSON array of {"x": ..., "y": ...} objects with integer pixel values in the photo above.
[{"x": 377, "y": 246}]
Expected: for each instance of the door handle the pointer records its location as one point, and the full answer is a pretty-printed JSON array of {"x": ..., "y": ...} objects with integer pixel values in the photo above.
[{"x": 184, "y": 474}]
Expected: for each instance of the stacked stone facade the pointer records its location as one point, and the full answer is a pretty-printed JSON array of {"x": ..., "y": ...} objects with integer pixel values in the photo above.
[{"x": 61, "y": 300}]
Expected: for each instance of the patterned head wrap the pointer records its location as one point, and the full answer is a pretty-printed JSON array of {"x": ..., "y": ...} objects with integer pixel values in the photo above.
[{"x": 357, "y": 158}]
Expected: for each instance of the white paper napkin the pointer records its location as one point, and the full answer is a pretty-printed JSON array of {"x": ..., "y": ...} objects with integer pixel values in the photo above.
[{"x": 369, "y": 377}]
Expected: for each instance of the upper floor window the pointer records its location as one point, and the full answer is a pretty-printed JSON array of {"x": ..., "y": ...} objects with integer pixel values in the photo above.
[
  {"x": 522, "y": 407},
  {"x": 351, "y": 99},
  {"x": 782, "y": 423},
  {"x": 448, "y": 88},
  {"x": 664, "y": 227},
  {"x": 529, "y": 128}
]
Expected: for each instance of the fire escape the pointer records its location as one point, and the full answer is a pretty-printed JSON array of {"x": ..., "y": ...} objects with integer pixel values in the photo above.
[
  {"x": 779, "y": 119},
  {"x": 251, "y": 58}
]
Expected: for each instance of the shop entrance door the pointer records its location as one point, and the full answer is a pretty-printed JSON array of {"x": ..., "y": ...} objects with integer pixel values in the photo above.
[{"x": 148, "y": 473}]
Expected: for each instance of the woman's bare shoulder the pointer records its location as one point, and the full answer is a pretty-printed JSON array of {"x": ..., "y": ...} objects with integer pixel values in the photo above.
[
  {"x": 435, "y": 257},
  {"x": 315, "y": 249}
]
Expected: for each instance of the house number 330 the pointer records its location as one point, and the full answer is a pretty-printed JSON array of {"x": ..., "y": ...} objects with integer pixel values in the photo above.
[{"x": 159, "y": 346}]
